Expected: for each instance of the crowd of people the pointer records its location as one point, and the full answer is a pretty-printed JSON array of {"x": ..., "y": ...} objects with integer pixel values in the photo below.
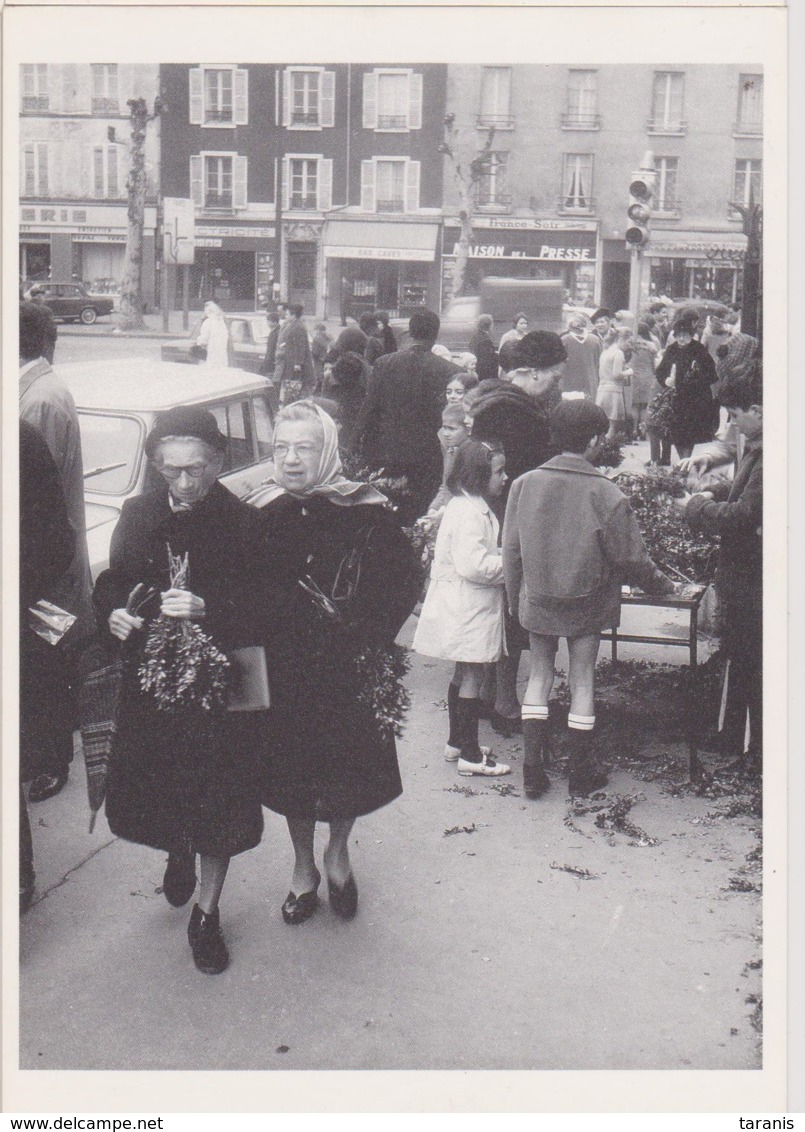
[{"x": 315, "y": 573}]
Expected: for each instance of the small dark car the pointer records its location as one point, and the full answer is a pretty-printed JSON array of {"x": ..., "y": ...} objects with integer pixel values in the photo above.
[
  {"x": 70, "y": 301},
  {"x": 249, "y": 334}
]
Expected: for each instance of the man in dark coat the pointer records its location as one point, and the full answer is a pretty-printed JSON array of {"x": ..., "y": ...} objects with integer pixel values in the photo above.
[
  {"x": 481, "y": 344},
  {"x": 735, "y": 512},
  {"x": 270, "y": 361},
  {"x": 400, "y": 419},
  {"x": 46, "y": 403},
  {"x": 47, "y": 543},
  {"x": 387, "y": 334}
]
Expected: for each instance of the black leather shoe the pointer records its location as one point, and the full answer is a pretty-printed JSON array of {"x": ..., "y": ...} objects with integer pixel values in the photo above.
[
  {"x": 503, "y": 725},
  {"x": 344, "y": 901},
  {"x": 297, "y": 909},
  {"x": 46, "y": 786},
  {"x": 210, "y": 953},
  {"x": 179, "y": 881}
]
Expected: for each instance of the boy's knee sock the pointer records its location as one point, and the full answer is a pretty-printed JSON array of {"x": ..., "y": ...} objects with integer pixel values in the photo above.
[
  {"x": 454, "y": 738},
  {"x": 535, "y": 750},
  {"x": 469, "y": 712}
]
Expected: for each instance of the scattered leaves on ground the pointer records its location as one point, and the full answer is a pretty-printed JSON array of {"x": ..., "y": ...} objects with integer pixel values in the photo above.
[
  {"x": 575, "y": 870},
  {"x": 461, "y": 829}
]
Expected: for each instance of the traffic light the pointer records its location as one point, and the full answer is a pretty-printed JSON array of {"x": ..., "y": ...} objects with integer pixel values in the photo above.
[{"x": 641, "y": 191}]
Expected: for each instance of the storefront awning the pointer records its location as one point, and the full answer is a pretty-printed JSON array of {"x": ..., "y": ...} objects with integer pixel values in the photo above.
[{"x": 371, "y": 239}]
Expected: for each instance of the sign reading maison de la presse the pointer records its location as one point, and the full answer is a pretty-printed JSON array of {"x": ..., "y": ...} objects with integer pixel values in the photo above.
[{"x": 523, "y": 238}]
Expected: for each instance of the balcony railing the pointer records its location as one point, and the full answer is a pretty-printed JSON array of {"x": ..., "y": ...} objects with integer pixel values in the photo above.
[
  {"x": 392, "y": 122},
  {"x": 498, "y": 121},
  {"x": 302, "y": 118},
  {"x": 666, "y": 126},
  {"x": 497, "y": 199},
  {"x": 749, "y": 128},
  {"x": 35, "y": 102},
  {"x": 391, "y": 205},
  {"x": 105, "y": 106},
  {"x": 583, "y": 205},
  {"x": 579, "y": 120},
  {"x": 303, "y": 200}
]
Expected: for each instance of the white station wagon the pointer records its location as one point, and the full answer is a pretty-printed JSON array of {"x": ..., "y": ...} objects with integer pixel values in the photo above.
[{"x": 117, "y": 401}]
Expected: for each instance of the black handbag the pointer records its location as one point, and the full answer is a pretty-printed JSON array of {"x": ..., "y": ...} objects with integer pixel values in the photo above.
[{"x": 249, "y": 689}]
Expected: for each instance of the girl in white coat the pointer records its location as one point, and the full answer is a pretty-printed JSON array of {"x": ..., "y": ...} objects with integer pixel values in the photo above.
[
  {"x": 462, "y": 616},
  {"x": 214, "y": 335}
]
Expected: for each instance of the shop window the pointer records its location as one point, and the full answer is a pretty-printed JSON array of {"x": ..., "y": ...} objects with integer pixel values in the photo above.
[
  {"x": 496, "y": 98},
  {"x": 105, "y": 98},
  {"x": 493, "y": 184},
  {"x": 667, "y": 103},
  {"x": 35, "y": 170},
  {"x": 219, "y": 180},
  {"x": 577, "y": 183},
  {"x": 665, "y": 184},
  {"x": 35, "y": 87},
  {"x": 105, "y": 171},
  {"x": 748, "y": 182},
  {"x": 582, "y": 101},
  {"x": 308, "y": 98},
  {"x": 392, "y": 100},
  {"x": 750, "y": 105},
  {"x": 390, "y": 185},
  {"x": 219, "y": 96}
]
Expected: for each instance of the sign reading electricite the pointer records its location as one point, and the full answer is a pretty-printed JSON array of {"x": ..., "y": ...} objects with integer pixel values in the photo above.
[{"x": 573, "y": 245}]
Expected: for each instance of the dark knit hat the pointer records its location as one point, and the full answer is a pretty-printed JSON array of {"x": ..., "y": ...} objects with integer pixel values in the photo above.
[
  {"x": 540, "y": 349},
  {"x": 186, "y": 420},
  {"x": 602, "y": 312}
]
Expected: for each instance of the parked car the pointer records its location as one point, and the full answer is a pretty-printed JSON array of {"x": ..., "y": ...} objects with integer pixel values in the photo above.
[
  {"x": 71, "y": 301},
  {"x": 117, "y": 402},
  {"x": 249, "y": 334}
]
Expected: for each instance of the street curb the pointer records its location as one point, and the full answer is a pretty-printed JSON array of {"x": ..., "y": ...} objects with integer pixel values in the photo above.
[{"x": 74, "y": 332}]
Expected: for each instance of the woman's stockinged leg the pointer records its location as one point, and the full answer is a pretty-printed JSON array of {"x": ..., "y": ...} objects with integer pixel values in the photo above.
[
  {"x": 305, "y": 874},
  {"x": 213, "y": 875},
  {"x": 583, "y": 653},
  {"x": 336, "y": 855}
]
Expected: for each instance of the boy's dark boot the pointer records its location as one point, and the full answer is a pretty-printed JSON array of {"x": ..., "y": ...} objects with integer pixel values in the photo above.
[
  {"x": 454, "y": 738},
  {"x": 535, "y": 748},
  {"x": 585, "y": 775}
]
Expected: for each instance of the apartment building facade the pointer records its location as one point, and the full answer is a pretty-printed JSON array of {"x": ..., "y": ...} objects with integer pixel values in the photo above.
[
  {"x": 74, "y": 162},
  {"x": 553, "y": 191},
  {"x": 321, "y": 183}
]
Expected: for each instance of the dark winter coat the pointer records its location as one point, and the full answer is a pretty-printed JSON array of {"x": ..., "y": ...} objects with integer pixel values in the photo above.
[
  {"x": 508, "y": 415},
  {"x": 325, "y": 755},
  {"x": 486, "y": 356},
  {"x": 570, "y": 541},
  {"x": 188, "y": 778},
  {"x": 270, "y": 360},
  {"x": 294, "y": 361},
  {"x": 401, "y": 416},
  {"x": 389, "y": 339},
  {"x": 736, "y": 514},
  {"x": 374, "y": 349},
  {"x": 47, "y": 544},
  {"x": 695, "y": 411}
]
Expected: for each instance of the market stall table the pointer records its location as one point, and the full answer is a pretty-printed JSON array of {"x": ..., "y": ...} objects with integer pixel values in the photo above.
[{"x": 690, "y": 601}]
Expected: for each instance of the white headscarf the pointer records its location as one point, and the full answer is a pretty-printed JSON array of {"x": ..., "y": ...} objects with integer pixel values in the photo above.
[{"x": 330, "y": 479}]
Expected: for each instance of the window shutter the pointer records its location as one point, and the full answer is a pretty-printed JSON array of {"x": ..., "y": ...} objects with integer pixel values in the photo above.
[
  {"x": 286, "y": 98},
  {"x": 286, "y": 184},
  {"x": 196, "y": 96},
  {"x": 86, "y": 171},
  {"x": 368, "y": 185},
  {"x": 325, "y": 184},
  {"x": 412, "y": 186},
  {"x": 43, "y": 187},
  {"x": 415, "y": 102},
  {"x": 239, "y": 181},
  {"x": 197, "y": 180},
  {"x": 241, "y": 97},
  {"x": 370, "y": 105},
  {"x": 328, "y": 98}
]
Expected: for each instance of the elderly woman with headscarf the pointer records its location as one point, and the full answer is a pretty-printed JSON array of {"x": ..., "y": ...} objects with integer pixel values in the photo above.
[
  {"x": 214, "y": 337},
  {"x": 184, "y": 774},
  {"x": 345, "y": 580}
]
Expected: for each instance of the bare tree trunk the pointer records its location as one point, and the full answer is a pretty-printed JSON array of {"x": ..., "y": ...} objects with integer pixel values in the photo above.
[
  {"x": 462, "y": 252},
  {"x": 131, "y": 303}
]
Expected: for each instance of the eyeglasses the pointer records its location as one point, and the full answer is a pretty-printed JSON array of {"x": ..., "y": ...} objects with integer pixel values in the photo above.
[
  {"x": 282, "y": 451},
  {"x": 195, "y": 471}
]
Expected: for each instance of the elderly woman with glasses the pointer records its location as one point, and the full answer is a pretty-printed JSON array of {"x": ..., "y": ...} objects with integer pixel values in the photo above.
[
  {"x": 344, "y": 579},
  {"x": 184, "y": 779}
]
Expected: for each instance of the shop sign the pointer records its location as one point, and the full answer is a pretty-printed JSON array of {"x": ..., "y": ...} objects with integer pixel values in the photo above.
[
  {"x": 530, "y": 224},
  {"x": 92, "y": 238},
  {"x": 416, "y": 255},
  {"x": 209, "y": 243},
  {"x": 571, "y": 245},
  {"x": 545, "y": 251},
  {"x": 241, "y": 232}
]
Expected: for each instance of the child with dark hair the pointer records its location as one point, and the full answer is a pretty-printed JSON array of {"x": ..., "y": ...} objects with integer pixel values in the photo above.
[
  {"x": 462, "y": 616},
  {"x": 570, "y": 541},
  {"x": 735, "y": 512}
]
